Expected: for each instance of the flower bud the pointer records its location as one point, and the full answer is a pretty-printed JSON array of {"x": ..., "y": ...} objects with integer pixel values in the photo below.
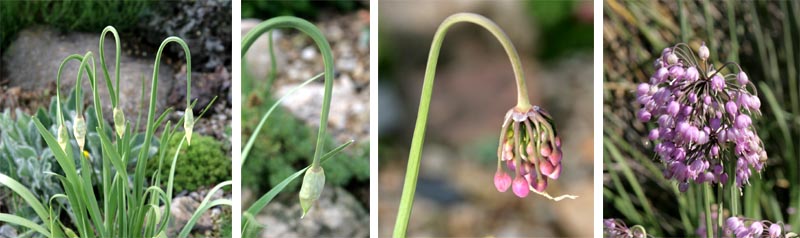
[
  {"x": 119, "y": 121},
  {"x": 672, "y": 58},
  {"x": 717, "y": 82},
  {"x": 732, "y": 108},
  {"x": 540, "y": 185},
  {"x": 756, "y": 228},
  {"x": 188, "y": 125},
  {"x": 63, "y": 138},
  {"x": 691, "y": 74},
  {"x": 774, "y": 230},
  {"x": 502, "y": 181},
  {"x": 79, "y": 130},
  {"x": 742, "y": 121},
  {"x": 703, "y": 52},
  {"x": 520, "y": 187},
  {"x": 742, "y": 78},
  {"x": 313, "y": 182}
]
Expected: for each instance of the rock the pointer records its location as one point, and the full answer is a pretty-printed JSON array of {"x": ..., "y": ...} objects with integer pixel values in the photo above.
[
  {"x": 38, "y": 51},
  {"x": 182, "y": 209},
  {"x": 309, "y": 53},
  {"x": 7, "y": 231},
  {"x": 336, "y": 214},
  {"x": 257, "y": 59},
  {"x": 205, "y": 86},
  {"x": 349, "y": 111}
]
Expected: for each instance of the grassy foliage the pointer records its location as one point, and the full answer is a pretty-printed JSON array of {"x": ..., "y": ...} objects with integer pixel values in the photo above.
[
  {"x": 67, "y": 15},
  {"x": 762, "y": 37}
]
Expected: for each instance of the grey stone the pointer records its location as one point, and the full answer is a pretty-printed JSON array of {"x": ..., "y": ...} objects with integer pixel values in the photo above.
[
  {"x": 32, "y": 62},
  {"x": 336, "y": 214},
  {"x": 8, "y": 231}
]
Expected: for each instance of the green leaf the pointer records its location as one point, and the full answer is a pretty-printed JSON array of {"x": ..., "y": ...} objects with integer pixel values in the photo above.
[{"x": 24, "y": 222}]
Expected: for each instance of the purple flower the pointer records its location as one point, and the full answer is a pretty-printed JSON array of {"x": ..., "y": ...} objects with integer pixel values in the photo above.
[
  {"x": 530, "y": 146},
  {"x": 615, "y": 228},
  {"x": 774, "y": 230},
  {"x": 704, "y": 119},
  {"x": 738, "y": 227},
  {"x": 742, "y": 78}
]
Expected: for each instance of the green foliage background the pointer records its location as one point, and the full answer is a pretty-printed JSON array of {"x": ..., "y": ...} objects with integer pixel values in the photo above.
[
  {"x": 286, "y": 145},
  {"x": 202, "y": 164},
  {"x": 87, "y": 15},
  {"x": 300, "y": 8}
]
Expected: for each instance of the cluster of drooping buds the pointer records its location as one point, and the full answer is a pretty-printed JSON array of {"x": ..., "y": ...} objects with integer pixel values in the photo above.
[
  {"x": 741, "y": 227},
  {"x": 704, "y": 119},
  {"x": 530, "y": 146},
  {"x": 615, "y": 228}
]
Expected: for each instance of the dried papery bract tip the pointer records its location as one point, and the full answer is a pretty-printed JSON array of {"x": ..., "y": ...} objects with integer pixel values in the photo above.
[
  {"x": 119, "y": 121},
  {"x": 63, "y": 138},
  {"x": 313, "y": 183},
  {"x": 188, "y": 125},
  {"x": 79, "y": 130}
]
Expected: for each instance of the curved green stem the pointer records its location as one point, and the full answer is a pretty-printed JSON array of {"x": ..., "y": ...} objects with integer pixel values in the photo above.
[
  {"x": 77, "y": 57},
  {"x": 327, "y": 58},
  {"x": 113, "y": 94},
  {"x": 148, "y": 136},
  {"x": 410, "y": 184}
]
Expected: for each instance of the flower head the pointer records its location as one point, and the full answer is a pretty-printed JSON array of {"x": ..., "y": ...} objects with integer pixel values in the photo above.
[
  {"x": 529, "y": 146},
  {"x": 615, "y": 228},
  {"x": 704, "y": 117},
  {"x": 741, "y": 227}
]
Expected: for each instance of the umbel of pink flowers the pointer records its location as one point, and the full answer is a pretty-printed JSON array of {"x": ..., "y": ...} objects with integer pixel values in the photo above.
[
  {"x": 529, "y": 146},
  {"x": 704, "y": 117}
]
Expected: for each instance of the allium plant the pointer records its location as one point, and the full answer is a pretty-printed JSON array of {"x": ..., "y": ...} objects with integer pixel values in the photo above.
[
  {"x": 529, "y": 144},
  {"x": 740, "y": 227},
  {"x": 124, "y": 206},
  {"x": 314, "y": 179},
  {"x": 704, "y": 115}
]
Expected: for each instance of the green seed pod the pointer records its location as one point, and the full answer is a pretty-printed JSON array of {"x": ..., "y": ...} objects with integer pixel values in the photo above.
[
  {"x": 188, "y": 125},
  {"x": 63, "y": 138},
  {"x": 119, "y": 121},
  {"x": 79, "y": 130},
  {"x": 313, "y": 182}
]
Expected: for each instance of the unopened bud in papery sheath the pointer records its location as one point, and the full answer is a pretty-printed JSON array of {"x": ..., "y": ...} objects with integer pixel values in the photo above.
[
  {"x": 188, "y": 125},
  {"x": 119, "y": 121},
  {"x": 63, "y": 138},
  {"x": 79, "y": 130},
  {"x": 313, "y": 182}
]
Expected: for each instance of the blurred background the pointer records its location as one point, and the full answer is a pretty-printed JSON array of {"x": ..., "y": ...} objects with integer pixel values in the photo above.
[
  {"x": 35, "y": 36},
  {"x": 474, "y": 89},
  {"x": 287, "y": 141},
  {"x": 759, "y": 35}
]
